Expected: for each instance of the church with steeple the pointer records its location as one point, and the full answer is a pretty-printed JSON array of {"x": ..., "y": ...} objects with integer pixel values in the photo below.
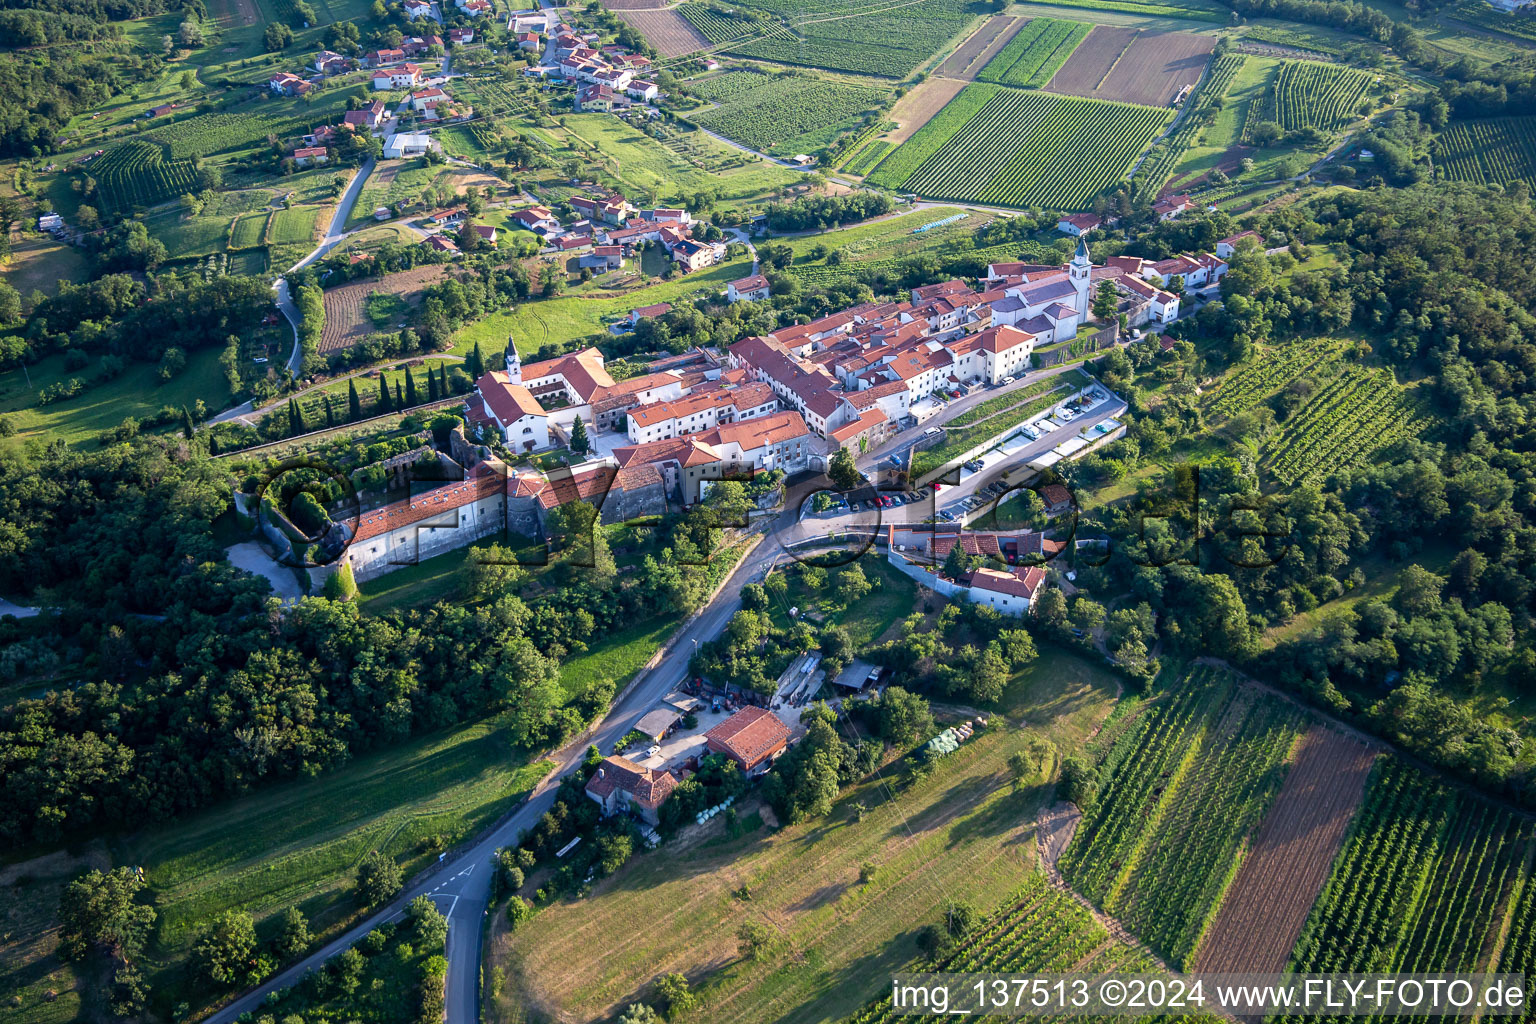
[{"x": 1049, "y": 302}]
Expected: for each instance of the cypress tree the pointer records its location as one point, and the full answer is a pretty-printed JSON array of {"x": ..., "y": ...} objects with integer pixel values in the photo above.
[
  {"x": 187, "y": 426},
  {"x": 384, "y": 399},
  {"x": 330, "y": 415},
  {"x": 295, "y": 418},
  {"x": 476, "y": 363},
  {"x": 354, "y": 404},
  {"x": 410, "y": 390},
  {"x": 433, "y": 391},
  {"x": 399, "y": 396}
]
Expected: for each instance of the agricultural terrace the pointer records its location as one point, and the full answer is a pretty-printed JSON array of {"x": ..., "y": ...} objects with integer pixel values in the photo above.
[
  {"x": 866, "y": 37},
  {"x": 1287, "y": 863},
  {"x": 350, "y": 317},
  {"x": 1035, "y": 149},
  {"x": 1498, "y": 150},
  {"x": 1134, "y": 65},
  {"x": 1180, "y": 791},
  {"x": 783, "y": 114},
  {"x": 957, "y": 835},
  {"x": 1305, "y": 94},
  {"x": 1422, "y": 881},
  {"x": 1033, "y": 56},
  {"x": 677, "y": 162},
  {"x": 671, "y": 33}
]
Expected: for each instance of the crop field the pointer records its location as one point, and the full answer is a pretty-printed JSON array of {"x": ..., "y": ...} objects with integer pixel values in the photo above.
[
  {"x": 958, "y": 835},
  {"x": 675, "y": 162},
  {"x": 931, "y": 137},
  {"x": 1182, "y": 790},
  {"x": 1497, "y": 150},
  {"x": 1195, "y": 10},
  {"x": 346, "y": 311},
  {"x": 1306, "y": 94},
  {"x": 1036, "y": 149},
  {"x": 715, "y": 25},
  {"x": 1134, "y": 66},
  {"x": 867, "y": 37},
  {"x": 1421, "y": 883},
  {"x": 1033, "y": 56},
  {"x": 137, "y": 173},
  {"x": 868, "y": 157},
  {"x": 671, "y": 33},
  {"x": 979, "y": 50},
  {"x": 187, "y": 236},
  {"x": 790, "y": 113},
  {"x": 1355, "y": 414},
  {"x": 1284, "y": 871}
]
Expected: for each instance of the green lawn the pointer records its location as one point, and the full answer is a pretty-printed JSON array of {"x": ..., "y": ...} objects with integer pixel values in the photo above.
[
  {"x": 565, "y": 319},
  {"x": 188, "y": 236},
  {"x": 961, "y": 834},
  {"x": 295, "y": 226},
  {"x": 646, "y": 164},
  {"x": 136, "y": 392}
]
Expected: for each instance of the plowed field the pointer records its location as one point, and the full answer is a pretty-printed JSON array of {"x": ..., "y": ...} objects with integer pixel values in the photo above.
[
  {"x": 668, "y": 31},
  {"x": 346, "y": 311},
  {"x": 1132, "y": 66},
  {"x": 1268, "y": 902}
]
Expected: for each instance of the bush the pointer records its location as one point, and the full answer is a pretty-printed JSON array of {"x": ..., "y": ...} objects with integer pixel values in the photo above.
[{"x": 378, "y": 879}]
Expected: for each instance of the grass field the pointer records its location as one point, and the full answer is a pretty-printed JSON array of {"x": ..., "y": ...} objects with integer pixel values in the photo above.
[
  {"x": 248, "y": 231},
  {"x": 136, "y": 392},
  {"x": 893, "y": 599},
  {"x": 961, "y": 834},
  {"x": 567, "y": 318},
  {"x": 648, "y": 164},
  {"x": 188, "y": 236},
  {"x": 294, "y": 226},
  {"x": 36, "y": 985},
  {"x": 39, "y": 264}
]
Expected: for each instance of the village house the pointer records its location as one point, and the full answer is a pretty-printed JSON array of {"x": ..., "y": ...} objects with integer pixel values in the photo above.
[
  {"x": 595, "y": 99},
  {"x": 285, "y": 83},
  {"x": 538, "y": 219},
  {"x": 1172, "y": 208},
  {"x": 426, "y": 99},
  {"x": 441, "y": 243},
  {"x": 610, "y": 210},
  {"x": 461, "y": 36},
  {"x": 1227, "y": 246},
  {"x": 400, "y": 76},
  {"x": 748, "y": 289},
  {"x": 309, "y": 155},
  {"x": 488, "y": 234},
  {"x": 778, "y": 441},
  {"x": 1079, "y": 223},
  {"x": 417, "y": 9},
  {"x": 378, "y": 58},
  {"x": 527, "y": 41},
  {"x": 693, "y": 255},
  {"x": 643, "y": 90},
  {"x": 700, "y": 411},
  {"x": 604, "y": 258},
  {"x": 620, "y": 785},
  {"x": 369, "y": 117}
]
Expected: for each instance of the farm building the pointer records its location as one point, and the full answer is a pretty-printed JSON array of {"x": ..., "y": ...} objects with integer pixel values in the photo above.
[{"x": 407, "y": 144}]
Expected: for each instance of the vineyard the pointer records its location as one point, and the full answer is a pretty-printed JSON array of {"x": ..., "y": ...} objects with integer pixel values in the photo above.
[
  {"x": 1037, "y": 929},
  {"x": 1421, "y": 882},
  {"x": 1159, "y": 163},
  {"x": 1183, "y": 788},
  {"x": 773, "y": 111},
  {"x": 136, "y": 173},
  {"x": 1263, "y": 377},
  {"x": 1497, "y": 150},
  {"x": 868, "y": 37},
  {"x": 1033, "y": 57},
  {"x": 713, "y": 24},
  {"x": 1034, "y": 149},
  {"x": 931, "y": 137},
  {"x": 1357, "y": 413},
  {"x": 869, "y": 157},
  {"x": 207, "y": 134},
  {"x": 1304, "y": 94}
]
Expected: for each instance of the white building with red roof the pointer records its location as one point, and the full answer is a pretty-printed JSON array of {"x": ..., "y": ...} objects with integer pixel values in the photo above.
[
  {"x": 700, "y": 411},
  {"x": 512, "y": 410},
  {"x": 620, "y": 785},
  {"x": 406, "y": 531},
  {"x": 1227, "y": 246},
  {"x": 748, "y": 289},
  {"x": 1079, "y": 223},
  {"x": 753, "y": 737}
]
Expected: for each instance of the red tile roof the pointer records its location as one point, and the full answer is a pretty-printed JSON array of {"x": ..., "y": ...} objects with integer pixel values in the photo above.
[
  {"x": 645, "y": 786},
  {"x": 750, "y": 735}
]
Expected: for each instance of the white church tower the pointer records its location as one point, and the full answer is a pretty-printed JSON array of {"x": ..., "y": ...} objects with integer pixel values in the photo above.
[
  {"x": 1080, "y": 272},
  {"x": 514, "y": 366}
]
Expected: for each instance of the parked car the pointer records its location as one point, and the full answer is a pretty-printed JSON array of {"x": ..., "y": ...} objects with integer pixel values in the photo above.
[{"x": 653, "y": 751}]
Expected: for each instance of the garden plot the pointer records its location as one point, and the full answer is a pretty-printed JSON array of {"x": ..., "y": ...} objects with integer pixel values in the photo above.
[{"x": 347, "y": 319}]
